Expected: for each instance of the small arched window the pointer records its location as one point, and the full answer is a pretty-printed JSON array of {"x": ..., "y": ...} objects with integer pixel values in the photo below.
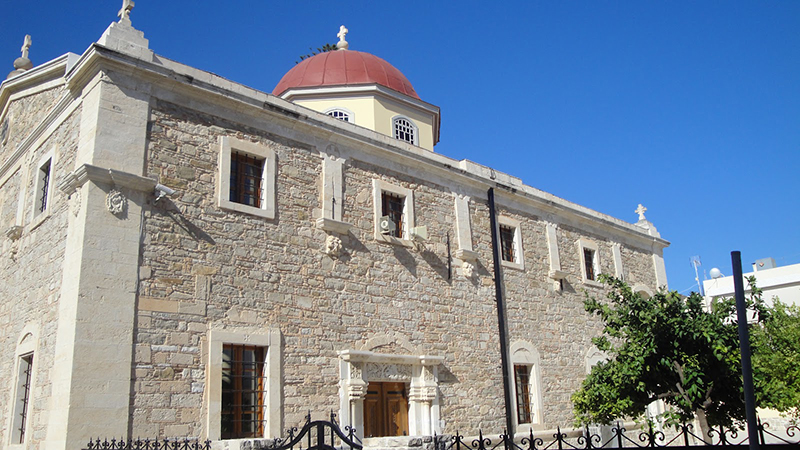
[
  {"x": 341, "y": 114},
  {"x": 405, "y": 130}
]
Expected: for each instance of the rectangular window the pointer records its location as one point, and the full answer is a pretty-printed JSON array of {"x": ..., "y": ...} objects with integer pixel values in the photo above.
[
  {"x": 24, "y": 377},
  {"x": 522, "y": 377},
  {"x": 392, "y": 205},
  {"x": 507, "y": 243},
  {"x": 246, "y": 179},
  {"x": 43, "y": 186},
  {"x": 588, "y": 261},
  {"x": 243, "y": 391}
]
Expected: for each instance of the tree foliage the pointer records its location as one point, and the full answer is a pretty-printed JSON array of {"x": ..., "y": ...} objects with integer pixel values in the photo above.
[
  {"x": 666, "y": 347},
  {"x": 776, "y": 359},
  {"x": 323, "y": 49}
]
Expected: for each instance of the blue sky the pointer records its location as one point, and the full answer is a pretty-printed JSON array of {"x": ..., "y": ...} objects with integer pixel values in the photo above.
[{"x": 691, "y": 108}]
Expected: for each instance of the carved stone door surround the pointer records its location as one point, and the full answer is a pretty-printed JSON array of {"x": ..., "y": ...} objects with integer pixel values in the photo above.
[{"x": 359, "y": 367}]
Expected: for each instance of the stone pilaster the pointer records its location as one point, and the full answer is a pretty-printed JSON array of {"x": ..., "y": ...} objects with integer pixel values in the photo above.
[{"x": 94, "y": 338}]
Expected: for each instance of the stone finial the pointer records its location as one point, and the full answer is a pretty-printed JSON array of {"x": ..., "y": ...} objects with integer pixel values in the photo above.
[
  {"x": 124, "y": 13},
  {"x": 640, "y": 210},
  {"x": 22, "y": 63},
  {"x": 342, "y": 44}
]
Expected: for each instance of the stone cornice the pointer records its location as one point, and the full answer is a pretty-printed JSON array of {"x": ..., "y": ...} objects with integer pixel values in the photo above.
[
  {"x": 34, "y": 77},
  {"x": 88, "y": 172},
  {"x": 368, "y": 356}
]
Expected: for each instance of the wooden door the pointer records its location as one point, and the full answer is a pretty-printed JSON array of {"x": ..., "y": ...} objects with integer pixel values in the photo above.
[{"x": 385, "y": 410}]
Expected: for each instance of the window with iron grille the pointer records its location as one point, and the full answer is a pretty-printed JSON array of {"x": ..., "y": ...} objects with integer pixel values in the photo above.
[
  {"x": 243, "y": 391},
  {"x": 42, "y": 187},
  {"x": 405, "y": 130},
  {"x": 393, "y": 205},
  {"x": 4, "y": 131},
  {"x": 246, "y": 179},
  {"x": 339, "y": 114},
  {"x": 522, "y": 376},
  {"x": 588, "y": 261},
  {"x": 22, "y": 402},
  {"x": 507, "y": 243}
]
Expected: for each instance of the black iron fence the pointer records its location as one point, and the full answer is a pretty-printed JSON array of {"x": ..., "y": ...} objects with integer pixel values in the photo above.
[
  {"x": 147, "y": 444},
  {"x": 327, "y": 435},
  {"x": 318, "y": 435},
  {"x": 680, "y": 437}
]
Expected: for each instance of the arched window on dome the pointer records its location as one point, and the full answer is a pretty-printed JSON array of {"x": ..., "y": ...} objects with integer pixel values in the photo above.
[
  {"x": 341, "y": 114},
  {"x": 405, "y": 130}
]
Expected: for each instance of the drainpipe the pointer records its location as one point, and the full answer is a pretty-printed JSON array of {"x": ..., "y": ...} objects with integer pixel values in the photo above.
[{"x": 501, "y": 314}]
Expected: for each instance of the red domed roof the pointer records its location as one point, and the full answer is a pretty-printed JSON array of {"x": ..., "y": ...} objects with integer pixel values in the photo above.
[{"x": 344, "y": 68}]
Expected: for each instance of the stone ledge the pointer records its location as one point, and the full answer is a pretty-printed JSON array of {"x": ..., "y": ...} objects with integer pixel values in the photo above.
[
  {"x": 333, "y": 225},
  {"x": 557, "y": 274},
  {"x": 87, "y": 172},
  {"x": 466, "y": 255}
]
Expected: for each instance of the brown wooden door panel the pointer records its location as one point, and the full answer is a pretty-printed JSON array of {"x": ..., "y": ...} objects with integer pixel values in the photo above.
[{"x": 386, "y": 410}]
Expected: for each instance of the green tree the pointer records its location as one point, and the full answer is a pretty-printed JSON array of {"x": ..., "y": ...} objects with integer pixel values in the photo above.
[
  {"x": 776, "y": 359},
  {"x": 666, "y": 347}
]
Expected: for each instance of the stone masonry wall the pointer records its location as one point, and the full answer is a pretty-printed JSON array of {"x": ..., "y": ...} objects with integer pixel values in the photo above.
[
  {"x": 23, "y": 115},
  {"x": 203, "y": 267},
  {"x": 30, "y": 268}
]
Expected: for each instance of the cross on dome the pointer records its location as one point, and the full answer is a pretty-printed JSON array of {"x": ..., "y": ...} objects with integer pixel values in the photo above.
[
  {"x": 640, "y": 210},
  {"x": 124, "y": 13},
  {"x": 26, "y": 45},
  {"x": 342, "y": 44}
]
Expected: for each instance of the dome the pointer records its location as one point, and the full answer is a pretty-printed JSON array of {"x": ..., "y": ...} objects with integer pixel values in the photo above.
[{"x": 344, "y": 68}]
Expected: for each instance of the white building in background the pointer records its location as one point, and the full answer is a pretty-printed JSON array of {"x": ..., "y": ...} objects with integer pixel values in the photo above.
[{"x": 781, "y": 282}]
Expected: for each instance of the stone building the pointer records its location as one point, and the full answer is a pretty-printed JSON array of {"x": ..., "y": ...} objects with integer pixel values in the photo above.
[{"x": 186, "y": 256}]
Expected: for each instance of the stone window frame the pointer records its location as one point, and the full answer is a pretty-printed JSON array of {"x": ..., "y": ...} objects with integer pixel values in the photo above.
[
  {"x": 348, "y": 116},
  {"x": 378, "y": 188},
  {"x": 583, "y": 244},
  {"x": 414, "y": 129},
  {"x": 519, "y": 256},
  {"x": 524, "y": 353},
  {"x": 27, "y": 345},
  {"x": 271, "y": 341},
  {"x": 228, "y": 145},
  {"x": 48, "y": 159}
]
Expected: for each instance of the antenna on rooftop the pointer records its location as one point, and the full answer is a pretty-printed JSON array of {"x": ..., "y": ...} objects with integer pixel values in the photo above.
[{"x": 695, "y": 260}]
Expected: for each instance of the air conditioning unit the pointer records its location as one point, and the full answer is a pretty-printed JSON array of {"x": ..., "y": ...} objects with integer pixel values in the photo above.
[
  {"x": 387, "y": 225},
  {"x": 419, "y": 233}
]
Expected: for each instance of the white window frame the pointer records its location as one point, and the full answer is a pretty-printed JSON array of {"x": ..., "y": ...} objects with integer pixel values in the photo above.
[
  {"x": 378, "y": 188},
  {"x": 351, "y": 117},
  {"x": 519, "y": 258},
  {"x": 584, "y": 244},
  {"x": 523, "y": 353},
  {"x": 271, "y": 341},
  {"x": 26, "y": 345},
  {"x": 47, "y": 159},
  {"x": 413, "y": 125},
  {"x": 229, "y": 145}
]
